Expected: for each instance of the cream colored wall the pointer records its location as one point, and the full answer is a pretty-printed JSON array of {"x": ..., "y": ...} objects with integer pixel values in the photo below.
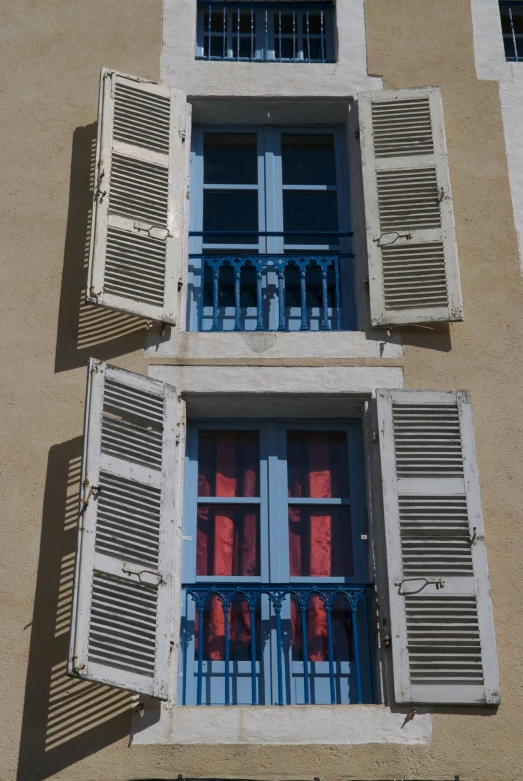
[{"x": 55, "y": 727}]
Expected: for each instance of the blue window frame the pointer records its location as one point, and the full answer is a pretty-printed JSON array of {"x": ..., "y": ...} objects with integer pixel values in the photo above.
[
  {"x": 512, "y": 26},
  {"x": 270, "y": 239},
  {"x": 266, "y": 30},
  {"x": 301, "y": 527}
]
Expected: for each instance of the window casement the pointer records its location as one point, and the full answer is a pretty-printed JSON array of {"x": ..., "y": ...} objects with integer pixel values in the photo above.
[
  {"x": 276, "y": 204},
  {"x": 511, "y": 12},
  {"x": 270, "y": 233},
  {"x": 279, "y": 528},
  {"x": 276, "y": 601},
  {"x": 294, "y": 31}
]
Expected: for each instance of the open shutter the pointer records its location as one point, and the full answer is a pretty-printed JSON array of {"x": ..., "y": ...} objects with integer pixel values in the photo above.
[
  {"x": 442, "y": 628},
  {"x": 137, "y": 234},
  {"x": 411, "y": 244},
  {"x": 123, "y": 589}
]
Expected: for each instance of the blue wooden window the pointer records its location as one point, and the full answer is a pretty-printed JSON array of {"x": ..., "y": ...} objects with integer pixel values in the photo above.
[
  {"x": 266, "y": 30},
  {"x": 275, "y": 531},
  {"x": 512, "y": 27},
  {"x": 270, "y": 240}
]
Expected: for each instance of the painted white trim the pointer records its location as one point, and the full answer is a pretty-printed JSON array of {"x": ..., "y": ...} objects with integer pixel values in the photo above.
[
  {"x": 185, "y": 345},
  {"x": 347, "y": 76},
  {"x": 339, "y": 725},
  {"x": 235, "y": 380},
  {"x": 492, "y": 65}
]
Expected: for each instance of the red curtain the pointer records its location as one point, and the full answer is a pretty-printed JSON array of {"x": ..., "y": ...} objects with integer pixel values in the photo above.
[{"x": 227, "y": 536}]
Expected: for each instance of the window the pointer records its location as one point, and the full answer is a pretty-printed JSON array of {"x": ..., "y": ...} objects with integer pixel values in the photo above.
[
  {"x": 270, "y": 238},
  {"x": 512, "y": 27},
  {"x": 280, "y": 31},
  {"x": 275, "y": 549},
  {"x": 275, "y": 519}
]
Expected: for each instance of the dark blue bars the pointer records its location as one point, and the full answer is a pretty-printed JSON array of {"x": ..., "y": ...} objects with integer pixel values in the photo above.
[
  {"x": 316, "y": 277},
  {"x": 266, "y": 31},
  {"x": 356, "y": 598},
  {"x": 512, "y": 27}
]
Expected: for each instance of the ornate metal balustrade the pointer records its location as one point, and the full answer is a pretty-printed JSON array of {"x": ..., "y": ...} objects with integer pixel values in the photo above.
[
  {"x": 356, "y": 601},
  {"x": 266, "y": 30},
  {"x": 308, "y": 282}
]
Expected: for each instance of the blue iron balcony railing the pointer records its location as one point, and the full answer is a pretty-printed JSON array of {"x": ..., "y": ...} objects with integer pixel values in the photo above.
[
  {"x": 266, "y": 30},
  {"x": 284, "y": 622},
  {"x": 237, "y": 287},
  {"x": 512, "y": 27}
]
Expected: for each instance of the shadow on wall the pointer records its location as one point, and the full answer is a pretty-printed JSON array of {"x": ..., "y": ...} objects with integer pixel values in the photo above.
[
  {"x": 429, "y": 336},
  {"x": 64, "y": 719},
  {"x": 86, "y": 330}
]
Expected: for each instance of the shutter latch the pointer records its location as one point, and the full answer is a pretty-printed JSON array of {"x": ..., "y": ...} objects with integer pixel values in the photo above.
[
  {"x": 438, "y": 582},
  {"x": 148, "y": 576},
  {"x": 154, "y": 231}
]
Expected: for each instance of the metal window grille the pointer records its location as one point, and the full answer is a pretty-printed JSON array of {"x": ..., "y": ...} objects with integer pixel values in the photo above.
[
  {"x": 512, "y": 27},
  {"x": 261, "y": 31}
]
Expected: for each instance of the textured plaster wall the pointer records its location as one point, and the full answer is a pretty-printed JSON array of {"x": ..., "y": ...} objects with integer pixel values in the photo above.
[{"x": 54, "y": 727}]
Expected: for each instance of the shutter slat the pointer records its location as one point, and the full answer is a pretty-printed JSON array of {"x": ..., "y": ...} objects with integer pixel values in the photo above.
[
  {"x": 442, "y": 628},
  {"x": 137, "y": 238},
  {"x": 407, "y": 194},
  {"x": 123, "y": 585}
]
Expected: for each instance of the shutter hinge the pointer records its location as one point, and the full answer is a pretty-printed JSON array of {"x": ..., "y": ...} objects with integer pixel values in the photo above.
[
  {"x": 94, "y": 491},
  {"x": 375, "y": 437},
  {"x": 475, "y": 537},
  {"x": 77, "y": 666}
]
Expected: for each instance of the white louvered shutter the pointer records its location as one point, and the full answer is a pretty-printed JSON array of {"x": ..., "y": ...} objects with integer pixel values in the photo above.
[
  {"x": 411, "y": 244},
  {"x": 442, "y": 629},
  {"x": 123, "y": 589},
  {"x": 137, "y": 236}
]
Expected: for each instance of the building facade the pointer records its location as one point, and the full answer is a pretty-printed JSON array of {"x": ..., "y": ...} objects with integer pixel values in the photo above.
[{"x": 279, "y": 243}]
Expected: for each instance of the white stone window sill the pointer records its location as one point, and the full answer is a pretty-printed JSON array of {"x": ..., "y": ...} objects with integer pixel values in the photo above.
[
  {"x": 185, "y": 345},
  {"x": 339, "y": 725}
]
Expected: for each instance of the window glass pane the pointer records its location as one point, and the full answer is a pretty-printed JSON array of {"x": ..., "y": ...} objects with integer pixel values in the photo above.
[
  {"x": 317, "y": 464},
  {"x": 310, "y": 211},
  {"x": 314, "y": 287},
  {"x": 320, "y": 541},
  {"x": 216, "y": 46},
  {"x": 237, "y": 211},
  {"x": 230, "y": 158},
  {"x": 283, "y": 23},
  {"x": 217, "y": 21},
  {"x": 509, "y": 48},
  {"x": 314, "y": 49},
  {"x": 228, "y": 463},
  {"x": 245, "y": 21},
  {"x": 505, "y": 21},
  {"x": 317, "y": 633},
  {"x": 315, "y": 23},
  {"x": 517, "y": 21},
  {"x": 228, "y": 540},
  {"x": 239, "y": 631},
  {"x": 308, "y": 158},
  {"x": 284, "y": 49}
]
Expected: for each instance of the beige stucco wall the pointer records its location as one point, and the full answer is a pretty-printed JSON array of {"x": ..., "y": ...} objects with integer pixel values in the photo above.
[{"x": 55, "y": 727}]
